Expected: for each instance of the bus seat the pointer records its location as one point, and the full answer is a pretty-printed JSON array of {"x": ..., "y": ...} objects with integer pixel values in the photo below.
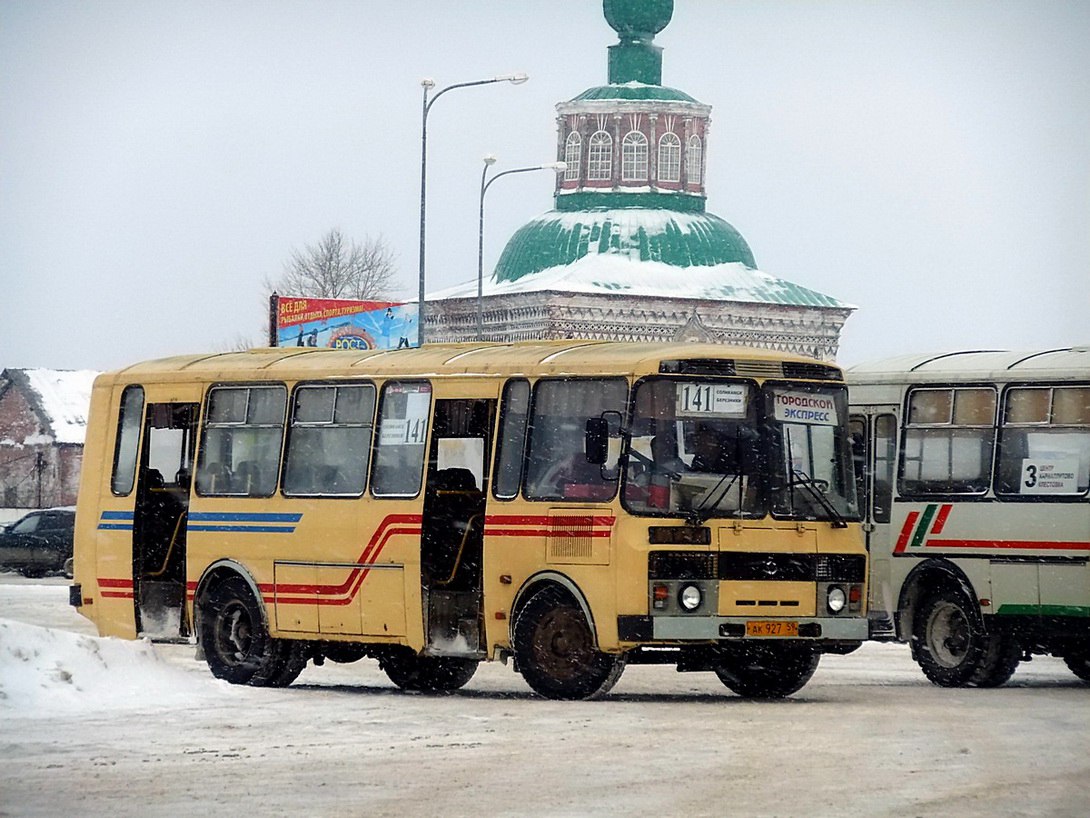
[
  {"x": 215, "y": 478},
  {"x": 455, "y": 480},
  {"x": 247, "y": 479}
]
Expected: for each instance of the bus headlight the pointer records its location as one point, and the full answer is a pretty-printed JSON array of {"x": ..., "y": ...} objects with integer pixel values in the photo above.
[
  {"x": 690, "y": 597},
  {"x": 837, "y": 599}
]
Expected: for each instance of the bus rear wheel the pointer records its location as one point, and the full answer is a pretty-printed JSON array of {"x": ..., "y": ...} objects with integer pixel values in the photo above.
[
  {"x": 236, "y": 641},
  {"x": 410, "y": 671},
  {"x": 555, "y": 650},
  {"x": 953, "y": 649},
  {"x": 766, "y": 671}
]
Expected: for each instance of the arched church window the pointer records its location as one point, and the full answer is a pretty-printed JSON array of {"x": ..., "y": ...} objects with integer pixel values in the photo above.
[
  {"x": 600, "y": 156},
  {"x": 669, "y": 158},
  {"x": 694, "y": 160},
  {"x": 634, "y": 157},
  {"x": 573, "y": 150}
]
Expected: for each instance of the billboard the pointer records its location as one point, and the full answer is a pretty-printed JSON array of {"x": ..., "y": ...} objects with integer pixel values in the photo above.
[{"x": 342, "y": 324}]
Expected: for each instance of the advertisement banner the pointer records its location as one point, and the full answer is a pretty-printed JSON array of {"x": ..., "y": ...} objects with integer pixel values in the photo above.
[{"x": 344, "y": 324}]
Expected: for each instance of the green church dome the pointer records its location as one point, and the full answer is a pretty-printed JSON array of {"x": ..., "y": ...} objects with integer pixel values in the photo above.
[
  {"x": 635, "y": 91},
  {"x": 558, "y": 238}
]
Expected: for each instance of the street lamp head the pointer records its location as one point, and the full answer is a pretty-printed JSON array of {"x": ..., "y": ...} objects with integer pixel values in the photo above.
[
  {"x": 490, "y": 159},
  {"x": 559, "y": 167},
  {"x": 514, "y": 79},
  {"x": 427, "y": 82}
]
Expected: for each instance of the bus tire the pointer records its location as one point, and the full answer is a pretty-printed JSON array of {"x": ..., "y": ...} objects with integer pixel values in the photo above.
[
  {"x": 236, "y": 642},
  {"x": 428, "y": 674},
  {"x": 290, "y": 660},
  {"x": 766, "y": 671},
  {"x": 953, "y": 649},
  {"x": 555, "y": 650},
  {"x": 1078, "y": 661}
]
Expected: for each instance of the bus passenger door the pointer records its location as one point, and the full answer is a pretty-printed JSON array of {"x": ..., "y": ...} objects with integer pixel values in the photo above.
[
  {"x": 159, "y": 520},
  {"x": 452, "y": 534},
  {"x": 874, "y": 451}
]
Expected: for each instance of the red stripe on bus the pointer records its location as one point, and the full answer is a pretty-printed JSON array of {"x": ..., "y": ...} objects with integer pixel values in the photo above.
[
  {"x": 906, "y": 532},
  {"x": 1026, "y": 544},
  {"x": 565, "y": 525},
  {"x": 108, "y": 582},
  {"x": 546, "y": 532},
  {"x": 382, "y": 535},
  {"x": 940, "y": 521},
  {"x": 550, "y": 521}
]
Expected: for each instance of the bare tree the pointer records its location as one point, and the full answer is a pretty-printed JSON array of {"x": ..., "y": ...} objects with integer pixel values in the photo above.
[{"x": 338, "y": 268}]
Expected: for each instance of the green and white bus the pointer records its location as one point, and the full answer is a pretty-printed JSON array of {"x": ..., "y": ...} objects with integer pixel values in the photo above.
[{"x": 974, "y": 471}]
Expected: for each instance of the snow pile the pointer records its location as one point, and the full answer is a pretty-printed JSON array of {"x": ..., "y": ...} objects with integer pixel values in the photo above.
[{"x": 48, "y": 670}]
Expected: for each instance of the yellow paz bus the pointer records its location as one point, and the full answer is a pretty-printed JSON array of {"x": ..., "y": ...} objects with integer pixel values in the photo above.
[{"x": 573, "y": 505}]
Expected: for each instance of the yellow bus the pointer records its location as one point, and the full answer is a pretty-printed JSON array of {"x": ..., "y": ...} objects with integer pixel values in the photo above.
[
  {"x": 974, "y": 472},
  {"x": 573, "y": 505}
]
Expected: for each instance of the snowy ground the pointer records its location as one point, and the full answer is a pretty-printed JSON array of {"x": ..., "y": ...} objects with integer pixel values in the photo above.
[{"x": 107, "y": 727}]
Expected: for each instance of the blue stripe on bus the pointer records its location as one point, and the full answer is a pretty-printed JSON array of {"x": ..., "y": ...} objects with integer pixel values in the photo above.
[
  {"x": 257, "y": 522},
  {"x": 242, "y": 517},
  {"x": 258, "y": 529}
]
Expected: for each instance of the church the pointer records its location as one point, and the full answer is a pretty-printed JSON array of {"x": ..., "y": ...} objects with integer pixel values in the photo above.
[{"x": 629, "y": 251}]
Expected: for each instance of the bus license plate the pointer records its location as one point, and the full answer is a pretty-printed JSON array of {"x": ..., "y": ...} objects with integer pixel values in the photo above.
[{"x": 765, "y": 627}]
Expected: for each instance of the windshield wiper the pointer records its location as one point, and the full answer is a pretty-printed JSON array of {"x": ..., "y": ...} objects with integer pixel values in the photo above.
[
  {"x": 695, "y": 517},
  {"x": 816, "y": 489}
]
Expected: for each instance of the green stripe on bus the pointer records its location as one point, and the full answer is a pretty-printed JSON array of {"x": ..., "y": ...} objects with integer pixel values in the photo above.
[
  {"x": 1044, "y": 610},
  {"x": 925, "y": 523}
]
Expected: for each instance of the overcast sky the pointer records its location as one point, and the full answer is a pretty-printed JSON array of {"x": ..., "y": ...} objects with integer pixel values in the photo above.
[{"x": 928, "y": 162}]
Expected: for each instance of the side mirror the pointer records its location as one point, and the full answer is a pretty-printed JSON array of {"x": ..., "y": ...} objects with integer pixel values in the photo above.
[{"x": 596, "y": 441}]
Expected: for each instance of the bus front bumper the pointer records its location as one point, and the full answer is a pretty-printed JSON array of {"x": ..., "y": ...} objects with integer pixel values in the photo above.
[{"x": 715, "y": 628}]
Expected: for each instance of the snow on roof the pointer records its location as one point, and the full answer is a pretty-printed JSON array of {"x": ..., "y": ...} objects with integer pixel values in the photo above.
[
  {"x": 614, "y": 274},
  {"x": 65, "y": 396}
]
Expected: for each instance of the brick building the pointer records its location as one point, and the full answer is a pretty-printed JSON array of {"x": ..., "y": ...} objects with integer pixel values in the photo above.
[{"x": 43, "y": 420}]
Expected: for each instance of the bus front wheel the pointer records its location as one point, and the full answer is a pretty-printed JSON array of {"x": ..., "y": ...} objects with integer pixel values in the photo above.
[
  {"x": 236, "y": 641},
  {"x": 410, "y": 671},
  {"x": 555, "y": 650},
  {"x": 767, "y": 671},
  {"x": 953, "y": 649}
]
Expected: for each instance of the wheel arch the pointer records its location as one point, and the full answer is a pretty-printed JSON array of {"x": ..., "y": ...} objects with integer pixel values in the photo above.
[
  {"x": 545, "y": 579},
  {"x": 928, "y": 576},
  {"x": 217, "y": 572}
]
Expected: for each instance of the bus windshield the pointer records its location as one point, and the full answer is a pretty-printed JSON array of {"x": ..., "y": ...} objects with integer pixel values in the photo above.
[{"x": 712, "y": 448}]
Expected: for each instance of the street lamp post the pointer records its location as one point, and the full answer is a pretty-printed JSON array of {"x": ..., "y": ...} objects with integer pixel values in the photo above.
[
  {"x": 559, "y": 167},
  {"x": 427, "y": 85}
]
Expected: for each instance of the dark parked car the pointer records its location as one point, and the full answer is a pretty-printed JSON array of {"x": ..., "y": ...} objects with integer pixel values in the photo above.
[{"x": 39, "y": 543}]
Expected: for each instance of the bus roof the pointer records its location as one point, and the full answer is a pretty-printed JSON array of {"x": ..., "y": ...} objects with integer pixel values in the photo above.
[
  {"x": 563, "y": 357},
  {"x": 968, "y": 364}
]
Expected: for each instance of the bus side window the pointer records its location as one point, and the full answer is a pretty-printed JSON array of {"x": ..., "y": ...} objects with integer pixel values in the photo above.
[
  {"x": 557, "y": 467},
  {"x": 1045, "y": 442},
  {"x": 329, "y": 440},
  {"x": 885, "y": 461},
  {"x": 128, "y": 439},
  {"x": 514, "y": 415},
  {"x": 402, "y": 433},
  {"x": 240, "y": 444},
  {"x": 857, "y": 428},
  {"x": 948, "y": 441}
]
